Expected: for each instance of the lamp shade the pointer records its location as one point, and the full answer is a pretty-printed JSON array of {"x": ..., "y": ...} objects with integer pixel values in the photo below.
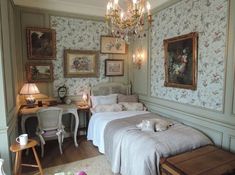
[{"x": 29, "y": 89}]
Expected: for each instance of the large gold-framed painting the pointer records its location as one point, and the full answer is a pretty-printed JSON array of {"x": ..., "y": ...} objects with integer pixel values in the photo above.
[
  {"x": 41, "y": 43},
  {"x": 181, "y": 61},
  {"x": 80, "y": 63}
]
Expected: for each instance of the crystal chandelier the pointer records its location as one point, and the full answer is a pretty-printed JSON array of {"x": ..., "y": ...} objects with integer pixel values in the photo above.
[{"x": 129, "y": 22}]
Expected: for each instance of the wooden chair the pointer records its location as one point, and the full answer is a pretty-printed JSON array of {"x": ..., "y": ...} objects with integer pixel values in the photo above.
[
  {"x": 50, "y": 126},
  {"x": 17, "y": 148}
]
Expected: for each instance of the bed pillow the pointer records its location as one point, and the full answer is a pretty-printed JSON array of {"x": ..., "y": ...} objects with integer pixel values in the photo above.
[
  {"x": 103, "y": 100},
  {"x": 127, "y": 98},
  {"x": 107, "y": 108},
  {"x": 132, "y": 106}
]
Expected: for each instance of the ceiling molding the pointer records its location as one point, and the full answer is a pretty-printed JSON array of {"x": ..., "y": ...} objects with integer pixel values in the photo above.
[
  {"x": 77, "y": 8},
  {"x": 87, "y": 7}
]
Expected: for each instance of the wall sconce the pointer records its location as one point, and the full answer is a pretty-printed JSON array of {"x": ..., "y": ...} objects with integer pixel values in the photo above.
[{"x": 138, "y": 58}]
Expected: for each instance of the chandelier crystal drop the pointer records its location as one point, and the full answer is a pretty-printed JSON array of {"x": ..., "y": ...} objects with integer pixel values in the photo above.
[{"x": 129, "y": 22}]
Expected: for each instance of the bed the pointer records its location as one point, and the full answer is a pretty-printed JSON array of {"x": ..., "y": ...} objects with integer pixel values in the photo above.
[{"x": 128, "y": 137}]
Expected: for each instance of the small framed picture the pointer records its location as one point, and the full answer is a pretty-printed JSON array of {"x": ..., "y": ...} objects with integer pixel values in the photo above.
[
  {"x": 109, "y": 44},
  {"x": 80, "y": 63},
  {"x": 39, "y": 72},
  {"x": 114, "y": 67},
  {"x": 181, "y": 61},
  {"x": 41, "y": 43}
]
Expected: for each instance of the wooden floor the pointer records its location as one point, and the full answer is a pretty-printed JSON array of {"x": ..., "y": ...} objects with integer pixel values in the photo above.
[{"x": 52, "y": 156}]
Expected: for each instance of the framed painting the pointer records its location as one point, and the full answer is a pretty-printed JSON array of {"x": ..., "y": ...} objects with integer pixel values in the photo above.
[
  {"x": 80, "y": 63},
  {"x": 39, "y": 72},
  {"x": 41, "y": 43},
  {"x": 114, "y": 67},
  {"x": 181, "y": 61},
  {"x": 109, "y": 44}
]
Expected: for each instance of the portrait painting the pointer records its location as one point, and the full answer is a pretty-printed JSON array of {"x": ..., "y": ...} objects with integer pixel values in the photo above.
[
  {"x": 112, "y": 45},
  {"x": 181, "y": 61},
  {"x": 40, "y": 43},
  {"x": 39, "y": 72},
  {"x": 79, "y": 63},
  {"x": 114, "y": 67}
]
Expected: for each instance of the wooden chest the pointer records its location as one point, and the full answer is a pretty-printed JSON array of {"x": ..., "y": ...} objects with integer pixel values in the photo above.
[{"x": 207, "y": 160}]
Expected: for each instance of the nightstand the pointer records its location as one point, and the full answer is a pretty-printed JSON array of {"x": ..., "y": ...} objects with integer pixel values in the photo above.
[{"x": 85, "y": 110}]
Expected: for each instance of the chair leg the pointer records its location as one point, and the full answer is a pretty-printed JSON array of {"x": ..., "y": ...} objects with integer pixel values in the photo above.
[
  {"x": 16, "y": 163},
  {"x": 19, "y": 164},
  {"x": 42, "y": 150},
  {"x": 60, "y": 143},
  {"x": 37, "y": 160}
]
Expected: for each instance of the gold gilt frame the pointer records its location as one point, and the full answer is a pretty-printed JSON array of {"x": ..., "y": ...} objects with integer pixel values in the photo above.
[{"x": 181, "y": 61}]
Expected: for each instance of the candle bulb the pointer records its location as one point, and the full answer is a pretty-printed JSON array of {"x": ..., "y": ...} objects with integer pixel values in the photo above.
[
  {"x": 148, "y": 6},
  {"x": 135, "y": 4},
  {"x": 133, "y": 58},
  {"x": 122, "y": 15},
  {"x": 84, "y": 97},
  {"x": 115, "y": 4}
]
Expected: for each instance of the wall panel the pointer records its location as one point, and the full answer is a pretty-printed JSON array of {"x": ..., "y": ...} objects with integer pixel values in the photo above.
[
  {"x": 213, "y": 117},
  {"x": 8, "y": 81},
  {"x": 232, "y": 143}
]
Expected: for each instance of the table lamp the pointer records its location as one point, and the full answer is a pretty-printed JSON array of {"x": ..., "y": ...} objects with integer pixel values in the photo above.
[{"x": 29, "y": 89}]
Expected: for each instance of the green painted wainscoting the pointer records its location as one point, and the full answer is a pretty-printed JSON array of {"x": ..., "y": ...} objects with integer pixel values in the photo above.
[{"x": 217, "y": 123}]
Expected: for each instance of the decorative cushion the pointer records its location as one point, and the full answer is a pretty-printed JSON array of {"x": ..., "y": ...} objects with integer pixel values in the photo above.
[
  {"x": 132, "y": 106},
  {"x": 127, "y": 98},
  {"x": 107, "y": 108},
  {"x": 104, "y": 100}
]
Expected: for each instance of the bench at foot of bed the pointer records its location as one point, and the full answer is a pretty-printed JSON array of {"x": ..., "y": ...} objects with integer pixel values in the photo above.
[{"x": 208, "y": 160}]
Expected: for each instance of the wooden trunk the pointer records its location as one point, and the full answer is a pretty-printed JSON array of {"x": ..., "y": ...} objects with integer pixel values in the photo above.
[{"x": 208, "y": 160}]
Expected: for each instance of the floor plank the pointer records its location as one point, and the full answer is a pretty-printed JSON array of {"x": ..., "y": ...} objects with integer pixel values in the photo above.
[{"x": 52, "y": 156}]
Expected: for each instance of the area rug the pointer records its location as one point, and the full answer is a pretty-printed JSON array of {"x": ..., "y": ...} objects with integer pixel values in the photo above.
[{"x": 92, "y": 166}]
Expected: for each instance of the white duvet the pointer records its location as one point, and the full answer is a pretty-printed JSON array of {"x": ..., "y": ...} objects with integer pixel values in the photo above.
[{"x": 99, "y": 121}]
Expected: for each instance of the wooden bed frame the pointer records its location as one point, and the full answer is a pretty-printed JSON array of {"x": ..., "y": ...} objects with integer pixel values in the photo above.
[{"x": 110, "y": 88}]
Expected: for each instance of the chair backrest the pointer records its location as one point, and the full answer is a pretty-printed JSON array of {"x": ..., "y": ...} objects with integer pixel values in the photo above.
[{"x": 49, "y": 118}]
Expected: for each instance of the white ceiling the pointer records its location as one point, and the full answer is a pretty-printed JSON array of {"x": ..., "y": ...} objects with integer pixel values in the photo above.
[{"x": 86, "y": 7}]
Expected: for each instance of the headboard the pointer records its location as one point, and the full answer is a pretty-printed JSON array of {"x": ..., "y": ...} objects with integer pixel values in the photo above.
[{"x": 110, "y": 88}]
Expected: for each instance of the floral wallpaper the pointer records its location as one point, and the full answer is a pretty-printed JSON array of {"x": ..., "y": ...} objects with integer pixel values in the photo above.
[
  {"x": 209, "y": 19},
  {"x": 77, "y": 34}
]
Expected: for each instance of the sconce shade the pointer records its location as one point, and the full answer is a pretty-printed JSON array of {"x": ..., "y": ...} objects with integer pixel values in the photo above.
[
  {"x": 138, "y": 57},
  {"x": 29, "y": 89}
]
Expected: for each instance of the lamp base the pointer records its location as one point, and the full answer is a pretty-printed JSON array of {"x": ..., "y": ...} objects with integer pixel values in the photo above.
[{"x": 30, "y": 103}]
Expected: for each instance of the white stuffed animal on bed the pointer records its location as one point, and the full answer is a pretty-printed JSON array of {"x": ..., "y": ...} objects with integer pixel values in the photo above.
[{"x": 154, "y": 125}]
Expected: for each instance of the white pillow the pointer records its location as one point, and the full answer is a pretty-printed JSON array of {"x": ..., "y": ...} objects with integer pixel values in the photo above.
[
  {"x": 129, "y": 106},
  {"x": 107, "y": 108},
  {"x": 104, "y": 100}
]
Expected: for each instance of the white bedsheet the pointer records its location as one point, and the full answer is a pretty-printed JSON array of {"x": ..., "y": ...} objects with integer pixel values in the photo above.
[{"x": 98, "y": 122}]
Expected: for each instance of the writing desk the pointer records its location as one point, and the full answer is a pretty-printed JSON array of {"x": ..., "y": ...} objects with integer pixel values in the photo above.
[{"x": 26, "y": 113}]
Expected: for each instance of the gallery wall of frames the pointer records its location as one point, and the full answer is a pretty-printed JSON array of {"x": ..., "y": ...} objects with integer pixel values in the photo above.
[{"x": 74, "y": 56}]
